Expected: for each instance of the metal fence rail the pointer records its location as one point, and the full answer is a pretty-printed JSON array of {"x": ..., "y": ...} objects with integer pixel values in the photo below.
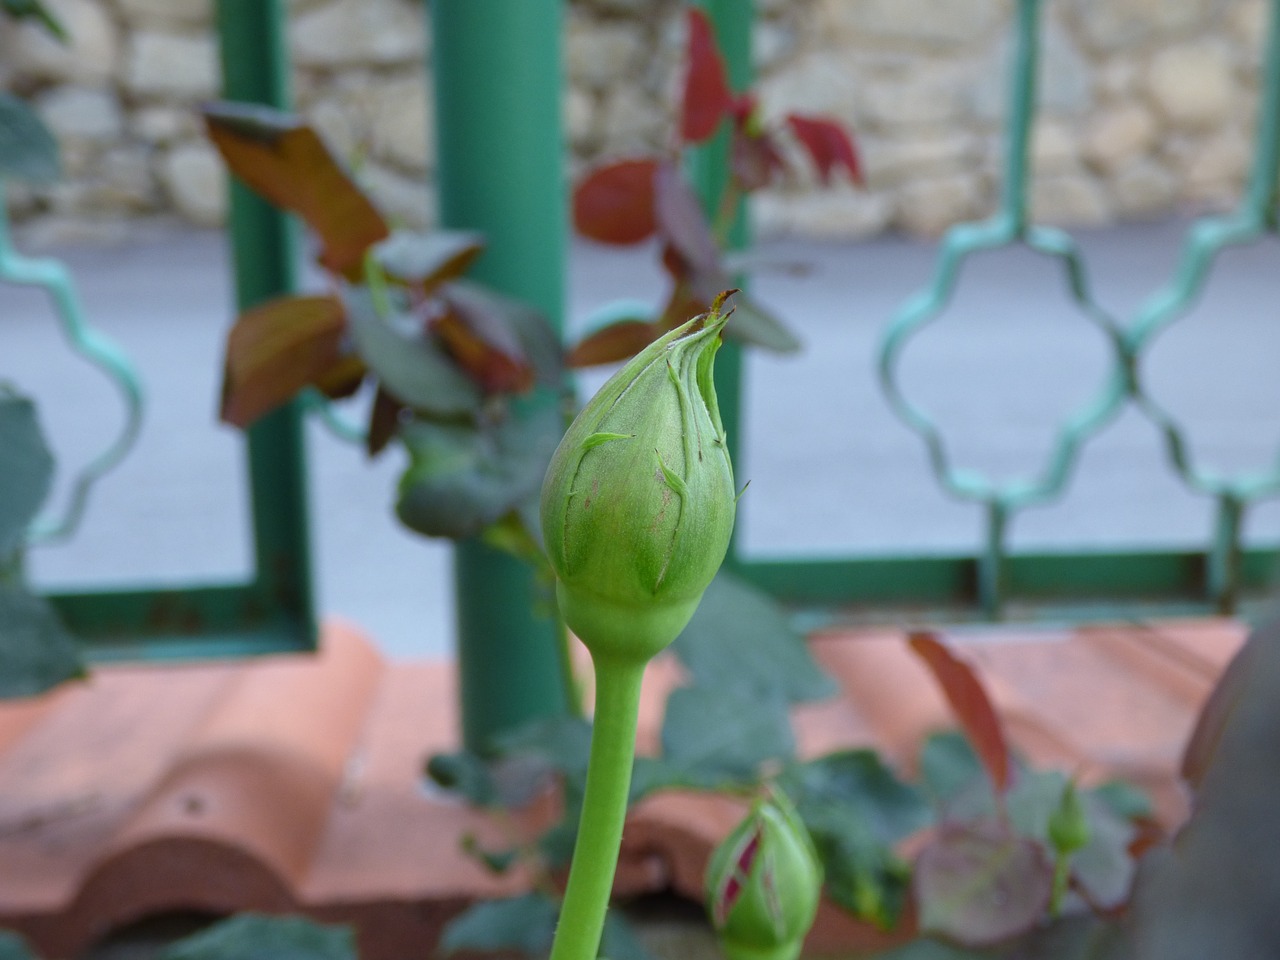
[
  {"x": 503, "y": 103},
  {"x": 994, "y": 581}
]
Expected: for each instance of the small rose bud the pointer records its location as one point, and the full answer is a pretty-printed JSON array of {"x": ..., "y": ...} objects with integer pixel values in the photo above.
[
  {"x": 638, "y": 502},
  {"x": 764, "y": 883},
  {"x": 1069, "y": 823}
]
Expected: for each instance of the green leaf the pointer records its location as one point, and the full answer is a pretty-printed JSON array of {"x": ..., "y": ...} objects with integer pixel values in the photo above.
[
  {"x": 620, "y": 941},
  {"x": 754, "y": 324},
  {"x": 461, "y": 479},
  {"x": 13, "y": 947},
  {"x": 1124, "y": 800},
  {"x": 36, "y": 651},
  {"x": 721, "y": 735},
  {"x": 950, "y": 769},
  {"x": 406, "y": 358},
  {"x": 856, "y": 810},
  {"x": 466, "y": 773},
  {"x": 525, "y": 924},
  {"x": 979, "y": 883},
  {"x": 856, "y": 785},
  {"x": 563, "y": 744},
  {"x": 21, "y": 9},
  {"x": 26, "y": 469},
  {"x": 934, "y": 950},
  {"x": 27, "y": 148},
  {"x": 740, "y": 639},
  {"x": 424, "y": 260},
  {"x": 538, "y": 340},
  {"x": 251, "y": 936}
]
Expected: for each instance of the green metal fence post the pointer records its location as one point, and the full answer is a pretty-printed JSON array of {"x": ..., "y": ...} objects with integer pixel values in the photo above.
[
  {"x": 708, "y": 170},
  {"x": 255, "y": 69},
  {"x": 501, "y": 171}
]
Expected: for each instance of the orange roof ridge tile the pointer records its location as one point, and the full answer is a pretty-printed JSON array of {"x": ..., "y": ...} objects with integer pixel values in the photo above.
[
  {"x": 242, "y": 796},
  {"x": 296, "y": 783}
]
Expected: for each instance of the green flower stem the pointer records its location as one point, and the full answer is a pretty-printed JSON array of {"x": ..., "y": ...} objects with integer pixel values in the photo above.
[
  {"x": 604, "y": 808},
  {"x": 564, "y": 653}
]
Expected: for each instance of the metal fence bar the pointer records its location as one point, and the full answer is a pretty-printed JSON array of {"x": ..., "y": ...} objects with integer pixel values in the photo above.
[
  {"x": 273, "y": 611},
  {"x": 500, "y": 171}
]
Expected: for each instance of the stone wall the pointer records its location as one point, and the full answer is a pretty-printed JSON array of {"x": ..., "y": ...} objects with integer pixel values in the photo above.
[{"x": 1147, "y": 104}]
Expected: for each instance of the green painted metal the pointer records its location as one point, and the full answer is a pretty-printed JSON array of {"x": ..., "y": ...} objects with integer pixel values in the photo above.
[
  {"x": 98, "y": 350},
  {"x": 1008, "y": 227},
  {"x": 708, "y": 170},
  {"x": 255, "y": 69},
  {"x": 951, "y": 585},
  {"x": 1255, "y": 218},
  {"x": 497, "y": 79},
  {"x": 272, "y": 612}
]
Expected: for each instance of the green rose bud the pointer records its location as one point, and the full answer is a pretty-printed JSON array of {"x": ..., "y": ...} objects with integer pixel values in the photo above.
[
  {"x": 764, "y": 883},
  {"x": 638, "y": 502},
  {"x": 1069, "y": 823}
]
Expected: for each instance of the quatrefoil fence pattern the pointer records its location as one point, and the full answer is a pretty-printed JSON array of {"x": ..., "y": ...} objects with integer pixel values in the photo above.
[{"x": 1225, "y": 570}]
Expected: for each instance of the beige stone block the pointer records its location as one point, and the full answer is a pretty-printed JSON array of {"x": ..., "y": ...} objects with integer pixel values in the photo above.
[
  {"x": 600, "y": 53},
  {"x": 821, "y": 81},
  {"x": 921, "y": 97},
  {"x": 1217, "y": 167},
  {"x": 892, "y": 160},
  {"x": 196, "y": 182},
  {"x": 163, "y": 124},
  {"x": 929, "y": 206},
  {"x": 340, "y": 124},
  {"x": 1054, "y": 146},
  {"x": 82, "y": 113},
  {"x": 348, "y": 32},
  {"x": 1108, "y": 25},
  {"x": 1193, "y": 84},
  {"x": 1069, "y": 199},
  {"x": 405, "y": 201},
  {"x": 91, "y": 56},
  {"x": 173, "y": 66},
  {"x": 166, "y": 13},
  {"x": 125, "y": 181},
  {"x": 579, "y": 116},
  {"x": 1143, "y": 188},
  {"x": 771, "y": 44},
  {"x": 1248, "y": 21},
  {"x": 1116, "y": 78},
  {"x": 401, "y": 129},
  {"x": 931, "y": 22},
  {"x": 631, "y": 120},
  {"x": 1116, "y": 136},
  {"x": 837, "y": 213}
]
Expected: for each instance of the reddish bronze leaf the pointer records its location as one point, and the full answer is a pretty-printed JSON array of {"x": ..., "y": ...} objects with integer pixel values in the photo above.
[
  {"x": 755, "y": 158},
  {"x": 969, "y": 701},
  {"x": 477, "y": 336},
  {"x": 979, "y": 884},
  {"x": 682, "y": 224},
  {"x": 706, "y": 87},
  {"x": 615, "y": 203},
  {"x": 614, "y": 343},
  {"x": 384, "y": 420},
  {"x": 828, "y": 144},
  {"x": 425, "y": 260},
  {"x": 276, "y": 349},
  {"x": 343, "y": 379},
  {"x": 281, "y": 158}
]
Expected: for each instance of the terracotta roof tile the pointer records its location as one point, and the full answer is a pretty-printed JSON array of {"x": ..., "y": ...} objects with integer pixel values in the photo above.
[{"x": 295, "y": 783}]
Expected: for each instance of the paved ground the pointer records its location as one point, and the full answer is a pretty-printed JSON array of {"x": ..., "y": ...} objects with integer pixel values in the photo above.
[{"x": 831, "y": 470}]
